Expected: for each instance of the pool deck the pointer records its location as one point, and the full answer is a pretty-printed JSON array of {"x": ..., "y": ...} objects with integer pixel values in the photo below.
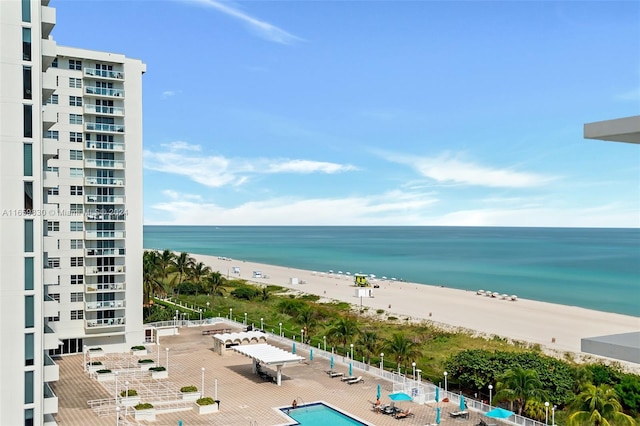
[{"x": 245, "y": 398}]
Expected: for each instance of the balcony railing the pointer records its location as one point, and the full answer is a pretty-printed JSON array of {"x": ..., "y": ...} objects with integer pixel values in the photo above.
[
  {"x": 107, "y": 322},
  {"x": 105, "y": 146},
  {"x": 111, "y": 269},
  {"x": 104, "y": 127},
  {"x": 109, "y": 164},
  {"x": 94, "y": 72},
  {"x": 101, "y": 288},
  {"x": 90, "y": 252},
  {"x": 104, "y": 91},
  {"x": 105, "y": 217},
  {"x": 50, "y": 403},
  {"x": 103, "y": 181},
  {"x": 111, "y": 304},
  {"x": 108, "y": 199},
  {"x": 103, "y": 109},
  {"x": 91, "y": 235}
]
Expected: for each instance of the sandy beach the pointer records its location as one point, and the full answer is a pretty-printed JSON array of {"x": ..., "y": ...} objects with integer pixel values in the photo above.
[{"x": 557, "y": 328}]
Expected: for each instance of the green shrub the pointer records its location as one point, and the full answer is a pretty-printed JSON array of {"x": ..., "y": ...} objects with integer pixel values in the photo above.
[
  {"x": 95, "y": 349},
  {"x": 138, "y": 348},
  {"x": 105, "y": 371},
  {"x": 145, "y": 361},
  {"x": 205, "y": 401},
  {"x": 247, "y": 293},
  {"x": 95, "y": 363},
  {"x": 143, "y": 406},
  {"x": 186, "y": 389},
  {"x": 130, "y": 392},
  {"x": 157, "y": 369},
  {"x": 391, "y": 318},
  {"x": 379, "y": 311}
]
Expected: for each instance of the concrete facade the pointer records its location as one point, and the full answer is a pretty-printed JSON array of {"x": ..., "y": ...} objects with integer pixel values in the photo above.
[
  {"x": 618, "y": 130},
  {"x": 625, "y": 346}
]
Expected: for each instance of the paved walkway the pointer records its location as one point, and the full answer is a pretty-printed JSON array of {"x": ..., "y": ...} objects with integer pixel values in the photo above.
[{"x": 244, "y": 397}]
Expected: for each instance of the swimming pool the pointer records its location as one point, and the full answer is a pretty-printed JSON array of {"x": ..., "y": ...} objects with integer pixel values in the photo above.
[{"x": 320, "y": 414}]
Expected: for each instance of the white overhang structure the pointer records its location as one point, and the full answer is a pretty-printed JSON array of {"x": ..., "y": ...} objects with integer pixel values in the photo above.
[
  {"x": 222, "y": 340},
  {"x": 269, "y": 355},
  {"x": 625, "y": 129}
]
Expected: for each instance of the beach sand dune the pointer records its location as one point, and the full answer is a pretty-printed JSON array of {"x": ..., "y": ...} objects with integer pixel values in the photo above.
[{"x": 557, "y": 328}]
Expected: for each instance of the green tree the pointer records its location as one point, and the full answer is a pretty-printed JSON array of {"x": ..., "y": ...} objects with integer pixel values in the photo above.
[
  {"x": 402, "y": 348},
  {"x": 182, "y": 264},
  {"x": 598, "y": 406},
  {"x": 518, "y": 386},
  {"x": 307, "y": 319},
  {"x": 343, "y": 330},
  {"x": 198, "y": 273},
  {"x": 369, "y": 344},
  {"x": 150, "y": 277},
  {"x": 165, "y": 263}
]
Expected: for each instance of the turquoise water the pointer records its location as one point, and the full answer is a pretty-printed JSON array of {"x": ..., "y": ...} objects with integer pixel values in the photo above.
[
  {"x": 591, "y": 268},
  {"x": 320, "y": 415}
]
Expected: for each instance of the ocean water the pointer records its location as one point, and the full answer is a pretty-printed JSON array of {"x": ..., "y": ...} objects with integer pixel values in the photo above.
[{"x": 591, "y": 268}]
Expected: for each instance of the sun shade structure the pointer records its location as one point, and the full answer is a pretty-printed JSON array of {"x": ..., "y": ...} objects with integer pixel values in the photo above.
[
  {"x": 224, "y": 340},
  {"x": 499, "y": 413},
  {"x": 263, "y": 353}
]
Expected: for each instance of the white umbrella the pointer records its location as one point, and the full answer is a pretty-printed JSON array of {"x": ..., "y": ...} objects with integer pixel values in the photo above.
[
  {"x": 372, "y": 276},
  {"x": 348, "y": 273}
]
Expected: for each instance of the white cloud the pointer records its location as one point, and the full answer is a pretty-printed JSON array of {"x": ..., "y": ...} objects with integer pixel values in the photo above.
[
  {"x": 262, "y": 28},
  {"x": 448, "y": 168},
  {"x": 306, "y": 166},
  {"x": 180, "y": 146},
  {"x": 170, "y": 93},
  {"x": 175, "y": 195}
]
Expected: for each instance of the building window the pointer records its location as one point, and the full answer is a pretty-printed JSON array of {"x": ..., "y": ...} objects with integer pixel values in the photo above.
[
  {"x": 28, "y": 312},
  {"x": 75, "y": 172},
  {"x": 53, "y": 191},
  {"x": 77, "y": 279},
  {"x": 28, "y": 273},
  {"x": 76, "y": 190},
  {"x": 75, "y": 154},
  {"x": 54, "y": 319},
  {"x": 52, "y": 134},
  {"x": 76, "y": 244},
  {"x": 28, "y": 196},
  {"x": 54, "y": 64},
  {"x": 75, "y": 118},
  {"x": 77, "y": 314},
  {"x": 77, "y": 297},
  {"x": 55, "y": 296},
  {"x": 75, "y": 83},
  {"x": 53, "y": 226},
  {"x": 27, "y": 122},
  {"x": 53, "y": 100},
  {"x": 27, "y": 159},
  {"x": 77, "y": 261},
  {"x": 26, "y": 44},
  {"x": 28, "y": 387},
  {"x": 75, "y": 208},
  {"x": 28, "y": 236},
  {"x": 53, "y": 262},
  {"x": 75, "y": 137},
  {"x": 26, "y": 82},
  {"x": 75, "y": 65},
  {"x": 28, "y": 349},
  {"x": 75, "y": 101},
  {"x": 76, "y": 226},
  {"x": 26, "y": 11}
]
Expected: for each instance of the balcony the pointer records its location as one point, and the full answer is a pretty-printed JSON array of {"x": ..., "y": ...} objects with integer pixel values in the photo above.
[
  {"x": 100, "y": 270},
  {"x": 103, "y": 164},
  {"x": 49, "y": 117},
  {"x": 49, "y": 149},
  {"x": 51, "y": 276},
  {"x": 49, "y": 52},
  {"x": 48, "y": 85},
  {"x": 51, "y": 307},
  {"x": 51, "y": 369},
  {"x": 104, "y": 199},
  {"x": 104, "y": 127},
  {"x": 95, "y": 252},
  {"x": 103, "y": 110},
  {"x": 48, "y": 19},
  {"x": 98, "y": 235},
  {"x": 105, "y": 217},
  {"x": 103, "y": 74},
  {"x": 104, "y": 323},
  {"x": 50, "y": 179},
  {"x": 104, "y": 288},
  {"x": 103, "y": 92},
  {"x": 50, "y": 405},
  {"x": 110, "y": 304},
  {"x": 50, "y": 245},
  {"x": 50, "y": 338},
  {"x": 105, "y": 146},
  {"x": 100, "y": 181}
]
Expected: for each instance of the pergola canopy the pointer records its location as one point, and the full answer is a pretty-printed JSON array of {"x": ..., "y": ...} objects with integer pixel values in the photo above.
[
  {"x": 240, "y": 338},
  {"x": 268, "y": 354}
]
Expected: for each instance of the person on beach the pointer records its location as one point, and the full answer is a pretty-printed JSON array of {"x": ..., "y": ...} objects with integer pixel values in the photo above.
[
  {"x": 377, "y": 406},
  {"x": 294, "y": 404}
]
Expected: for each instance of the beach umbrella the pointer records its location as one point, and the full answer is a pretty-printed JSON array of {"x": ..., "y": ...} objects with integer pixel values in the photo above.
[
  {"x": 311, "y": 355},
  {"x": 437, "y": 393},
  {"x": 293, "y": 350},
  {"x": 331, "y": 363},
  {"x": 499, "y": 413},
  {"x": 462, "y": 404},
  {"x": 378, "y": 393},
  {"x": 438, "y": 415},
  {"x": 400, "y": 396},
  {"x": 350, "y": 369}
]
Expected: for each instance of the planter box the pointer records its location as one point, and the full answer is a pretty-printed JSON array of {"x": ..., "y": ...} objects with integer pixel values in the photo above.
[
  {"x": 159, "y": 374},
  {"x": 105, "y": 377},
  {"x": 139, "y": 352},
  {"x": 93, "y": 354},
  {"x": 147, "y": 365},
  {"x": 130, "y": 401},
  {"x": 94, "y": 368},
  {"x": 149, "y": 414},
  {"x": 207, "y": 409},
  {"x": 190, "y": 396}
]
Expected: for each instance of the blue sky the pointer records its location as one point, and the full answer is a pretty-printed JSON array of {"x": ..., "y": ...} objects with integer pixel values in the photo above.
[{"x": 378, "y": 113}]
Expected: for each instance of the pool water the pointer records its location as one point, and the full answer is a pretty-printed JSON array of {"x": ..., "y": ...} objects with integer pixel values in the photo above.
[{"x": 319, "y": 414}]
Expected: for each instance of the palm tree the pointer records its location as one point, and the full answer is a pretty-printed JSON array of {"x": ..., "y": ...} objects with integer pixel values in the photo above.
[
  {"x": 165, "y": 262},
  {"x": 403, "y": 348},
  {"x": 198, "y": 272},
  {"x": 369, "y": 344},
  {"x": 343, "y": 330},
  {"x": 182, "y": 264},
  {"x": 599, "y": 406},
  {"x": 150, "y": 277},
  {"x": 518, "y": 385},
  {"x": 307, "y": 319},
  {"x": 213, "y": 284}
]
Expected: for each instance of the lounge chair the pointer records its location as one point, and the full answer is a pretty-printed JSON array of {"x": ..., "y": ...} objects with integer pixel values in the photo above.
[
  {"x": 335, "y": 374},
  {"x": 330, "y": 371},
  {"x": 347, "y": 378},
  {"x": 358, "y": 379},
  {"x": 464, "y": 414},
  {"x": 404, "y": 414},
  {"x": 483, "y": 423}
]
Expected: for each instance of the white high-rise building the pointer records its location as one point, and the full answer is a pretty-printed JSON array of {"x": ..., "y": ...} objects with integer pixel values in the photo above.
[{"x": 70, "y": 207}]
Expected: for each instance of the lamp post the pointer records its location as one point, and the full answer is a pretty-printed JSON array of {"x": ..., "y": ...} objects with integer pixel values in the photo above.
[
  {"x": 302, "y": 335},
  {"x": 413, "y": 364},
  {"x": 202, "y": 388},
  {"x": 116, "y": 376},
  {"x": 200, "y": 310},
  {"x": 158, "y": 357},
  {"x": 445, "y": 381},
  {"x": 84, "y": 357},
  {"x": 381, "y": 361},
  {"x": 117, "y": 416},
  {"x": 261, "y": 323},
  {"x": 351, "y": 351},
  {"x": 177, "y": 317},
  {"x": 245, "y": 318},
  {"x": 126, "y": 395},
  {"x": 546, "y": 412},
  {"x": 490, "y": 389},
  {"x": 230, "y": 314},
  {"x": 324, "y": 340},
  {"x": 167, "y": 360},
  {"x": 280, "y": 329},
  {"x": 553, "y": 415},
  {"x": 418, "y": 371},
  {"x": 208, "y": 306}
]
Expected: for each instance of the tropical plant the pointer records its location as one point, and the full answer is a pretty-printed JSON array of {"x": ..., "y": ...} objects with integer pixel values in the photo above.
[
  {"x": 518, "y": 386},
  {"x": 213, "y": 284},
  {"x": 151, "y": 283},
  {"x": 159, "y": 368},
  {"x": 343, "y": 329},
  {"x": 144, "y": 406},
  {"x": 188, "y": 389},
  {"x": 369, "y": 344},
  {"x": 598, "y": 406},
  {"x": 129, "y": 392},
  {"x": 182, "y": 264},
  {"x": 198, "y": 273},
  {"x": 402, "y": 348},
  {"x": 165, "y": 263},
  {"x": 205, "y": 401},
  {"x": 307, "y": 319}
]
